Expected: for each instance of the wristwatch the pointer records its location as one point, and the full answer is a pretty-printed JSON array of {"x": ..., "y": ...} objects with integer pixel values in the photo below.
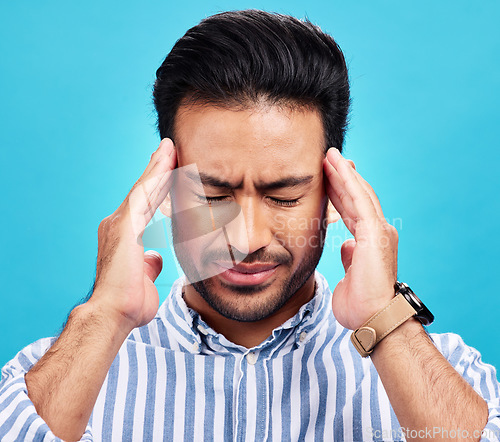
[{"x": 403, "y": 306}]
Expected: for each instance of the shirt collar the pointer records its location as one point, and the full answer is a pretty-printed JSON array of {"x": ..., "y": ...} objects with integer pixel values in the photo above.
[{"x": 197, "y": 336}]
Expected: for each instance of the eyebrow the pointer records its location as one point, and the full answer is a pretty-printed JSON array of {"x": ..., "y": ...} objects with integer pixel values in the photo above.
[{"x": 286, "y": 182}]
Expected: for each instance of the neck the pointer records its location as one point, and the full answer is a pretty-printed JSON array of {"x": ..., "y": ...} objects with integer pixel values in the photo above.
[{"x": 249, "y": 334}]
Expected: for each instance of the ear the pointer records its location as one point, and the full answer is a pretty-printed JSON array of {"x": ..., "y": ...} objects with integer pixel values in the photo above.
[
  {"x": 332, "y": 216},
  {"x": 166, "y": 206}
]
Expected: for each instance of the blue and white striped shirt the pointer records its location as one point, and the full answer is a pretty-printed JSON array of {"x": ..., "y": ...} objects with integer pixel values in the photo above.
[{"x": 177, "y": 379}]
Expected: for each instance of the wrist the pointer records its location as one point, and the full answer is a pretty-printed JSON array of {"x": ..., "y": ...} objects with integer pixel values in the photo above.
[
  {"x": 104, "y": 317},
  {"x": 408, "y": 331},
  {"x": 374, "y": 308},
  {"x": 400, "y": 314}
]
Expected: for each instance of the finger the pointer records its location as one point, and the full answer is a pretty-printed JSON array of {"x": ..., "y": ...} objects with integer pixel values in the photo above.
[
  {"x": 371, "y": 192},
  {"x": 369, "y": 189},
  {"x": 341, "y": 197},
  {"x": 346, "y": 252},
  {"x": 151, "y": 175},
  {"x": 164, "y": 147},
  {"x": 362, "y": 204},
  {"x": 151, "y": 190},
  {"x": 162, "y": 183},
  {"x": 339, "y": 189},
  {"x": 161, "y": 162},
  {"x": 333, "y": 180},
  {"x": 153, "y": 263}
]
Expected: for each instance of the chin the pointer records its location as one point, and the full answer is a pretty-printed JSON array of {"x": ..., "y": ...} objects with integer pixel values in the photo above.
[{"x": 245, "y": 303}]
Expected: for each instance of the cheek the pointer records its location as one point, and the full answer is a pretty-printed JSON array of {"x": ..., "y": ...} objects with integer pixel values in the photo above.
[{"x": 300, "y": 230}]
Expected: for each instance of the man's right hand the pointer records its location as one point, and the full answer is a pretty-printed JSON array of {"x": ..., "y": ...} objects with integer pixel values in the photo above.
[
  {"x": 65, "y": 383},
  {"x": 124, "y": 288}
]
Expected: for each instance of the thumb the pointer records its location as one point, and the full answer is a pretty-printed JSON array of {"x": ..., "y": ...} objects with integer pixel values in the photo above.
[
  {"x": 346, "y": 252},
  {"x": 153, "y": 263}
]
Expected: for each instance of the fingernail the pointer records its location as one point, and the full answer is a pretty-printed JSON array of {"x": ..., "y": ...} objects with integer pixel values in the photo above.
[
  {"x": 154, "y": 253},
  {"x": 167, "y": 145},
  {"x": 162, "y": 143},
  {"x": 333, "y": 152}
]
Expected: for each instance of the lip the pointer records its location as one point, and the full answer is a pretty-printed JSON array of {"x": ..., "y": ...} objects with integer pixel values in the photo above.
[{"x": 246, "y": 274}]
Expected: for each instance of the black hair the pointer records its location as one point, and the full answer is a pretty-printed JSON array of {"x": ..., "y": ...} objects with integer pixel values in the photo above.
[{"x": 238, "y": 58}]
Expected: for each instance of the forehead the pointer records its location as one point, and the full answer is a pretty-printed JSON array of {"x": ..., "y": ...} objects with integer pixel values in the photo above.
[{"x": 261, "y": 142}]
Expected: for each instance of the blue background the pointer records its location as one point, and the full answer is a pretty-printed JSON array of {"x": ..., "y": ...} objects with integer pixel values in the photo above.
[{"x": 77, "y": 128}]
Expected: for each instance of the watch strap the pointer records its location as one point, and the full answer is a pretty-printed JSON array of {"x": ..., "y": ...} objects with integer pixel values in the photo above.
[{"x": 381, "y": 324}]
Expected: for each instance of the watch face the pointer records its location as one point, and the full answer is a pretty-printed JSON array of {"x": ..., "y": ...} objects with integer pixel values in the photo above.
[
  {"x": 423, "y": 313},
  {"x": 416, "y": 300}
]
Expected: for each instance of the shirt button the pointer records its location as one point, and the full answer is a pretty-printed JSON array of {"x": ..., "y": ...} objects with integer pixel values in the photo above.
[
  {"x": 196, "y": 347},
  {"x": 303, "y": 336},
  {"x": 251, "y": 358},
  {"x": 203, "y": 330}
]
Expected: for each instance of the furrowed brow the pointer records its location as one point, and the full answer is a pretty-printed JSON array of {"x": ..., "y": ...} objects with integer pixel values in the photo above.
[
  {"x": 209, "y": 180},
  {"x": 287, "y": 182}
]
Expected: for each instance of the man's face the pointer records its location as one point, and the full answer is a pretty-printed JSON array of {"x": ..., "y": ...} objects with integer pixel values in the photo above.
[{"x": 268, "y": 160}]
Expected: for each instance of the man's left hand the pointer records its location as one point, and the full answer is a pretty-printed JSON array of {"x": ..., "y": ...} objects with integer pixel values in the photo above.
[{"x": 370, "y": 259}]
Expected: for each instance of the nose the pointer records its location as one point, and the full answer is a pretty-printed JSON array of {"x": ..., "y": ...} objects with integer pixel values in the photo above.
[{"x": 252, "y": 229}]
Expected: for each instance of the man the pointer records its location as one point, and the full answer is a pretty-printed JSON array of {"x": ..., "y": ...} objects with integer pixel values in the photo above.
[{"x": 252, "y": 344}]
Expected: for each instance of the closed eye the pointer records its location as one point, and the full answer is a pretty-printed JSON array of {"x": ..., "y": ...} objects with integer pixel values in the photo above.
[
  {"x": 285, "y": 203},
  {"x": 211, "y": 199},
  {"x": 224, "y": 198}
]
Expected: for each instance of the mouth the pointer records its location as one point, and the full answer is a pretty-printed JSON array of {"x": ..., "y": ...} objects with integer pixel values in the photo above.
[{"x": 246, "y": 274}]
